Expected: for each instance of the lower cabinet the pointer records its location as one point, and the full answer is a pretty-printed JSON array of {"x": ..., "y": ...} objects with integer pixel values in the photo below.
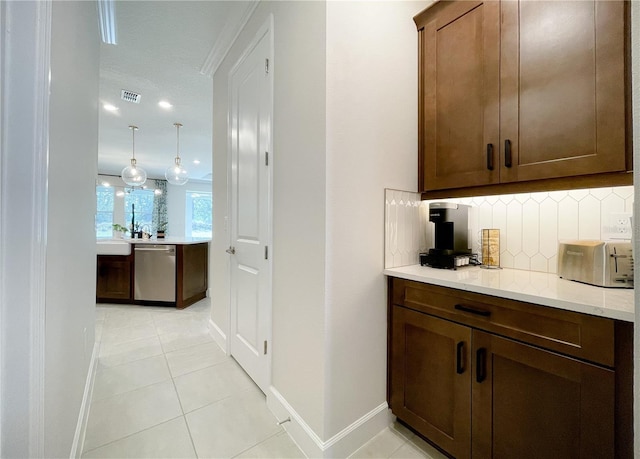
[
  {"x": 462, "y": 374},
  {"x": 113, "y": 278},
  {"x": 431, "y": 377}
]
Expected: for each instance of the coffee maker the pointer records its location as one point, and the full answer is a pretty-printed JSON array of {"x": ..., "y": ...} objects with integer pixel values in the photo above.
[{"x": 451, "y": 227}]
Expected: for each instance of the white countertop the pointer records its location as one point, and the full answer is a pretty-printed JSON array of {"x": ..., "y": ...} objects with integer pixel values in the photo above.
[
  {"x": 169, "y": 240},
  {"x": 166, "y": 240},
  {"x": 529, "y": 286}
]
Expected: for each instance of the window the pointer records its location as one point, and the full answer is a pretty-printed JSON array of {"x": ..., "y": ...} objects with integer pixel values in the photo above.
[
  {"x": 143, "y": 201},
  {"x": 104, "y": 208},
  {"x": 198, "y": 214}
]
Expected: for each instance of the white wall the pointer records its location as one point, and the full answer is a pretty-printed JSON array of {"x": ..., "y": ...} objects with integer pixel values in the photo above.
[
  {"x": 48, "y": 160},
  {"x": 71, "y": 256},
  {"x": 298, "y": 160},
  {"x": 371, "y": 145},
  {"x": 176, "y": 201}
]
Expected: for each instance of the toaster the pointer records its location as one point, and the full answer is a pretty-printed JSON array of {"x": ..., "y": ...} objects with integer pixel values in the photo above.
[{"x": 601, "y": 263}]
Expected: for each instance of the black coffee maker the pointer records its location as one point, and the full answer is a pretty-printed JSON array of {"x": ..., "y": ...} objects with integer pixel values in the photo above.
[{"x": 451, "y": 226}]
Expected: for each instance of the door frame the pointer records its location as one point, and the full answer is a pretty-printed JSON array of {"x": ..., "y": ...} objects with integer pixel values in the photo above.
[
  {"x": 265, "y": 29},
  {"x": 26, "y": 28}
]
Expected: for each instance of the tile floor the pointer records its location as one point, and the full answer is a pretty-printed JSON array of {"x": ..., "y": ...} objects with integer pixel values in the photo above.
[{"x": 164, "y": 388}]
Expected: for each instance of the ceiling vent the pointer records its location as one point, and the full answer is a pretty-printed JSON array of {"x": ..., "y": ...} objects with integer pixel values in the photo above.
[{"x": 130, "y": 96}]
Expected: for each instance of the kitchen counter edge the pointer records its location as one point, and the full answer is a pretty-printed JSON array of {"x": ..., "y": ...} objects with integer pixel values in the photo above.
[{"x": 544, "y": 289}]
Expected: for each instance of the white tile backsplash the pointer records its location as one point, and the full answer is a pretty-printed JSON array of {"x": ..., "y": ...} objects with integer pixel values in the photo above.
[{"x": 531, "y": 224}]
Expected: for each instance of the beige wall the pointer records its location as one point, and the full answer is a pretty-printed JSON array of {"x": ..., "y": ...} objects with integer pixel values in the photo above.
[
  {"x": 298, "y": 159},
  {"x": 71, "y": 255},
  {"x": 371, "y": 145}
]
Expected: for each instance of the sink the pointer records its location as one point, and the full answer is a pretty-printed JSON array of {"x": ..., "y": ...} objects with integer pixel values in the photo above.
[{"x": 113, "y": 247}]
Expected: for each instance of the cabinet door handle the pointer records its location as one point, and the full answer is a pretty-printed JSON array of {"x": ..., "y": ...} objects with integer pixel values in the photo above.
[
  {"x": 481, "y": 364},
  {"x": 490, "y": 156},
  {"x": 479, "y": 312},
  {"x": 507, "y": 153},
  {"x": 460, "y": 358}
]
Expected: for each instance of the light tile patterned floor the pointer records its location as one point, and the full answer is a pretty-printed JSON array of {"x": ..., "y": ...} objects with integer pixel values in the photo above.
[{"x": 165, "y": 389}]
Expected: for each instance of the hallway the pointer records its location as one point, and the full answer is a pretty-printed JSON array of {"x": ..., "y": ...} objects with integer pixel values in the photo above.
[{"x": 164, "y": 389}]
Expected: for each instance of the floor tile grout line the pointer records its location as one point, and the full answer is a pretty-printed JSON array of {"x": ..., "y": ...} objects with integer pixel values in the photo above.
[
  {"x": 131, "y": 434},
  {"x": 193, "y": 443},
  {"x": 199, "y": 369},
  {"x": 260, "y": 442}
]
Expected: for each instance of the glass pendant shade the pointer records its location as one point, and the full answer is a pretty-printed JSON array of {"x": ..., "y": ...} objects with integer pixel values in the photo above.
[
  {"x": 176, "y": 174},
  {"x": 133, "y": 175}
]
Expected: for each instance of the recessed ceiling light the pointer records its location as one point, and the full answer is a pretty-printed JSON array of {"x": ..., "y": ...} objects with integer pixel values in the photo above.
[
  {"x": 165, "y": 104},
  {"x": 196, "y": 161},
  {"x": 106, "y": 184},
  {"x": 110, "y": 108}
]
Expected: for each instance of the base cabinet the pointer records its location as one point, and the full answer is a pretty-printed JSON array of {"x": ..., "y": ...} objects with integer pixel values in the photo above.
[
  {"x": 475, "y": 393},
  {"x": 113, "y": 278},
  {"x": 532, "y": 403},
  {"x": 431, "y": 377}
]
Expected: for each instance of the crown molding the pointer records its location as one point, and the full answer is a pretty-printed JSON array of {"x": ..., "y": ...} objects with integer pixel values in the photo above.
[{"x": 226, "y": 40}]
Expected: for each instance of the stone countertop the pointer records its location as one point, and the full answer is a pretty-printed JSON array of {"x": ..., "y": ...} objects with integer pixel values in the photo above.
[
  {"x": 166, "y": 240},
  {"x": 529, "y": 286},
  {"x": 169, "y": 240}
]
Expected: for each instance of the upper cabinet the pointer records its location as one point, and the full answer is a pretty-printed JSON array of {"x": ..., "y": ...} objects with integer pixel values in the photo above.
[{"x": 522, "y": 92}]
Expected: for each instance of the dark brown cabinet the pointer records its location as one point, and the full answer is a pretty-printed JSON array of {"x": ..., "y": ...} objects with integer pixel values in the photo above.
[
  {"x": 431, "y": 377},
  {"x": 192, "y": 273},
  {"x": 522, "y": 91},
  {"x": 532, "y": 403},
  {"x": 114, "y": 278},
  {"x": 488, "y": 377}
]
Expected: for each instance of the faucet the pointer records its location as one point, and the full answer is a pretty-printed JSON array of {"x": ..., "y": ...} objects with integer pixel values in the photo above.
[{"x": 133, "y": 219}]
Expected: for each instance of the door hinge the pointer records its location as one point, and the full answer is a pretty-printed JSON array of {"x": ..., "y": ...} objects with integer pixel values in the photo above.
[
  {"x": 266, "y": 66},
  {"x": 265, "y": 347},
  {"x": 266, "y": 158},
  {"x": 266, "y": 252}
]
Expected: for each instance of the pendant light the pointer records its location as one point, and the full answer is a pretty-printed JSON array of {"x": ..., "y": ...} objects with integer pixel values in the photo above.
[
  {"x": 133, "y": 175},
  {"x": 176, "y": 174}
]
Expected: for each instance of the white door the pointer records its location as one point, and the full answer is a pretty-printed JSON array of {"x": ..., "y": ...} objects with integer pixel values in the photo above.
[{"x": 250, "y": 207}]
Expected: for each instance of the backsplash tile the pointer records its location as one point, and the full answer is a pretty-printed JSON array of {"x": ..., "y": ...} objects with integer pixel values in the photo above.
[
  {"x": 405, "y": 218},
  {"x": 531, "y": 224}
]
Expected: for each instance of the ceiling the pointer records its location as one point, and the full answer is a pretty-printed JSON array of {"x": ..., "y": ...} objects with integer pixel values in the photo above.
[{"x": 161, "y": 48}]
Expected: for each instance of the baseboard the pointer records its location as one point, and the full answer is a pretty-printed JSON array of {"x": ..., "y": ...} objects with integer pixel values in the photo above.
[
  {"x": 218, "y": 335},
  {"x": 342, "y": 444},
  {"x": 83, "y": 417}
]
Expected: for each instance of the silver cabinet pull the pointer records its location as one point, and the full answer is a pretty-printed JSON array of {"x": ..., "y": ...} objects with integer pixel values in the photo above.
[{"x": 231, "y": 250}]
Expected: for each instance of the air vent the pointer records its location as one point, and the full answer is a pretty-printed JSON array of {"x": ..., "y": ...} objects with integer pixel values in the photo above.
[{"x": 130, "y": 96}]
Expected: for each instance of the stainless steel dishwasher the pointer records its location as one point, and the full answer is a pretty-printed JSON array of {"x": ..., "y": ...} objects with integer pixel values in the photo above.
[{"x": 155, "y": 272}]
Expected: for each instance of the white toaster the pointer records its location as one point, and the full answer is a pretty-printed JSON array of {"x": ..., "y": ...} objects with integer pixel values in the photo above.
[{"x": 602, "y": 263}]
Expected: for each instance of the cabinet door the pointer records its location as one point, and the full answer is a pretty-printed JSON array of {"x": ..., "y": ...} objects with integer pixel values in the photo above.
[
  {"x": 562, "y": 98},
  {"x": 532, "y": 403},
  {"x": 430, "y": 378},
  {"x": 113, "y": 277},
  {"x": 458, "y": 95}
]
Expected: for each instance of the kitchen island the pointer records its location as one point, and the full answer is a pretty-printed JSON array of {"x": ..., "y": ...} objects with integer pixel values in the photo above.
[{"x": 166, "y": 272}]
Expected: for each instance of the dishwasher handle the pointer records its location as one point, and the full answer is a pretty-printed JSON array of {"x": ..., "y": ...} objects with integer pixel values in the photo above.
[{"x": 155, "y": 249}]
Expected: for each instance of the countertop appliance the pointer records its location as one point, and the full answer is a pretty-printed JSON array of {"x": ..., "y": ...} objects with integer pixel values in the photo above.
[
  {"x": 155, "y": 272},
  {"x": 601, "y": 263},
  {"x": 451, "y": 227}
]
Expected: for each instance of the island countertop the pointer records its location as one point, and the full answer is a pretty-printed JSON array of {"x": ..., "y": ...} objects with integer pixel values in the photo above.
[
  {"x": 170, "y": 240},
  {"x": 529, "y": 286}
]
